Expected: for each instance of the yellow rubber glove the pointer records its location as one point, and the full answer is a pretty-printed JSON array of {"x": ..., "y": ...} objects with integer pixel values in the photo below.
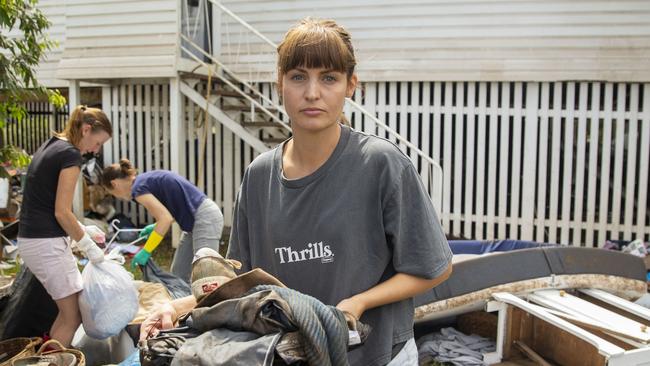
[
  {"x": 142, "y": 257},
  {"x": 153, "y": 242}
]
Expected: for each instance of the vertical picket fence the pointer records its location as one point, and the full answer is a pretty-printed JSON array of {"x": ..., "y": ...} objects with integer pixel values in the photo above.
[
  {"x": 41, "y": 121},
  {"x": 140, "y": 115},
  {"x": 563, "y": 162}
]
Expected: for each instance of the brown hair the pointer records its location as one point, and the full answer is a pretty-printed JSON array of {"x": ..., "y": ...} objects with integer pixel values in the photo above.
[
  {"x": 81, "y": 115},
  {"x": 121, "y": 170},
  {"x": 314, "y": 43}
]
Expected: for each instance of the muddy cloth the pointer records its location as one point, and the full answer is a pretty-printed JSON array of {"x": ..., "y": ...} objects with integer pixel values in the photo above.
[
  {"x": 176, "y": 286},
  {"x": 150, "y": 297},
  {"x": 275, "y": 310},
  {"x": 224, "y": 347},
  {"x": 160, "y": 350},
  {"x": 452, "y": 346},
  {"x": 323, "y": 328}
]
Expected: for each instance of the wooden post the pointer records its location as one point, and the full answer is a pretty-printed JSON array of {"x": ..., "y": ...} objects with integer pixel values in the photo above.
[
  {"x": 107, "y": 107},
  {"x": 74, "y": 99},
  {"x": 530, "y": 157},
  {"x": 176, "y": 139}
]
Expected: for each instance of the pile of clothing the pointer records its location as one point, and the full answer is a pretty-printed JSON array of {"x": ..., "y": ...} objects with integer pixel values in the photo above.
[
  {"x": 451, "y": 346},
  {"x": 252, "y": 319}
]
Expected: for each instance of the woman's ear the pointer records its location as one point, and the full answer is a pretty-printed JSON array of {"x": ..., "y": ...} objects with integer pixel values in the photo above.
[
  {"x": 352, "y": 85},
  {"x": 85, "y": 129}
]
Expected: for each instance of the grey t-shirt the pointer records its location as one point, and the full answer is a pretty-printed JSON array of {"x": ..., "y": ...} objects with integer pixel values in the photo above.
[{"x": 356, "y": 221}]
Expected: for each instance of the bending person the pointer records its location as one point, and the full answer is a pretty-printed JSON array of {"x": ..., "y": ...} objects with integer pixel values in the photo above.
[
  {"x": 47, "y": 221},
  {"x": 168, "y": 197}
]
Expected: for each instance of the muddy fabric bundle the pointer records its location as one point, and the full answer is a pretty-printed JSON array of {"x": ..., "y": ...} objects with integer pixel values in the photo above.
[
  {"x": 161, "y": 349},
  {"x": 176, "y": 286},
  {"x": 150, "y": 297},
  {"x": 452, "y": 346},
  {"x": 249, "y": 328}
]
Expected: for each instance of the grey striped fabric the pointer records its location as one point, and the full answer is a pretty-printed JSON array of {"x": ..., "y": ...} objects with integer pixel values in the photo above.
[{"x": 323, "y": 327}]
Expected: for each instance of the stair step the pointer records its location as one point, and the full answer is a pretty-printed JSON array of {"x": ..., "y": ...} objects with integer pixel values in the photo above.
[
  {"x": 274, "y": 140},
  {"x": 232, "y": 94},
  {"x": 261, "y": 124},
  {"x": 191, "y": 75},
  {"x": 244, "y": 108}
]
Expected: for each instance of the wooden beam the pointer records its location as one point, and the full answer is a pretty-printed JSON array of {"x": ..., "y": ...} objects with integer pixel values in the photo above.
[
  {"x": 531, "y": 354},
  {"x": 74, "y": 99}
]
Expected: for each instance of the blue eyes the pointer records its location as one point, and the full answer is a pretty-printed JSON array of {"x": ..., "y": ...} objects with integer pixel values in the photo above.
[{"x": 325, "y": 78}]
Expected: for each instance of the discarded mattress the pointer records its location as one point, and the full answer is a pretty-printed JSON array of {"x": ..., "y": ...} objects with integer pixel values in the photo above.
[
  {"x": 490, "y": 246},
  {"x": 474, "y": 279}
]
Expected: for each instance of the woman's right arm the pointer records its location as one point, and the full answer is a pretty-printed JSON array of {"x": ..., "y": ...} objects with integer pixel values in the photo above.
[
  {"x": 63, "y": 204},
  {"x": 64, "y": 216}
]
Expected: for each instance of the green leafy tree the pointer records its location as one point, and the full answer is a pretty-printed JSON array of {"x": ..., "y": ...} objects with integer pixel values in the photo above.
[{"x": 23, "y": 43}]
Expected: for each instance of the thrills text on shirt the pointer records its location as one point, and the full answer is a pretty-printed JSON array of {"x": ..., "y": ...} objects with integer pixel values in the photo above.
[{"x": 313, "y": 251}]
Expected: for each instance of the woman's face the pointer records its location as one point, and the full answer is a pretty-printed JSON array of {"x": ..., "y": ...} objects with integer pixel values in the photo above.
[
  {"x": 92, "y": 141},
  {"x": 314, "y": 97},
  {"x": 121, "y": 188}
]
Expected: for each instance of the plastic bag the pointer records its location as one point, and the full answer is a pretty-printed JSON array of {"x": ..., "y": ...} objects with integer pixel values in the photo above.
[
  {"x": 29, "y": 311},
  {"x": 109, "y": 300}
]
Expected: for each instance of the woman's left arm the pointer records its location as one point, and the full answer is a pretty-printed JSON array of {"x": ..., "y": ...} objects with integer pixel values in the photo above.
[
  {"x": 163, "y": 218},
  {"x": 399, "y": 287}
]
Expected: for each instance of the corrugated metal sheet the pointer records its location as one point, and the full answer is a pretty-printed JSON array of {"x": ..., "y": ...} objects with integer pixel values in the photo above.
[
  {"x": 424, "y": 40},
  {"x": 119, "y": 39},
  {"x": 479, "y": 40}
]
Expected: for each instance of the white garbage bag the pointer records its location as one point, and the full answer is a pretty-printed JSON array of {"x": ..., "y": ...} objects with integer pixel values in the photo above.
[{"x": 109, "y": 300}]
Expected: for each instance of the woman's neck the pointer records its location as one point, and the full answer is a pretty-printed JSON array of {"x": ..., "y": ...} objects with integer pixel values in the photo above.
[
  {"x": 306, "y": 152},
  {"x": 129, "y": 180}
]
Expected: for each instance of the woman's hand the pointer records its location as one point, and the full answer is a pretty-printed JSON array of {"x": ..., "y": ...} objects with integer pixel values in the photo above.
[
  {"x": 399, "y": 287},
  {"x": 161, "y": 319},
  {"x": 352, "y": 305}
]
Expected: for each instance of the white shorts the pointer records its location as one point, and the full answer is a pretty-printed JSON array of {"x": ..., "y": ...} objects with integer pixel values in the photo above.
[{"x": 52, "y": 262}]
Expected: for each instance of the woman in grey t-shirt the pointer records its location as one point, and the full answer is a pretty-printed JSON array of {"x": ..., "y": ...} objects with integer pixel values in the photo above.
[{"x": 335, "y": 213}]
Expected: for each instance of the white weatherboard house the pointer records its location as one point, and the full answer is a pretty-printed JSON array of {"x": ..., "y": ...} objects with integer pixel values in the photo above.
[{"x": 537, "y": 112}]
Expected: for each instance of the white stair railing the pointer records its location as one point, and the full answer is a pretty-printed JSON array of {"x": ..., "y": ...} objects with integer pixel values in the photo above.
[{"x": 227, "y": 75}]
